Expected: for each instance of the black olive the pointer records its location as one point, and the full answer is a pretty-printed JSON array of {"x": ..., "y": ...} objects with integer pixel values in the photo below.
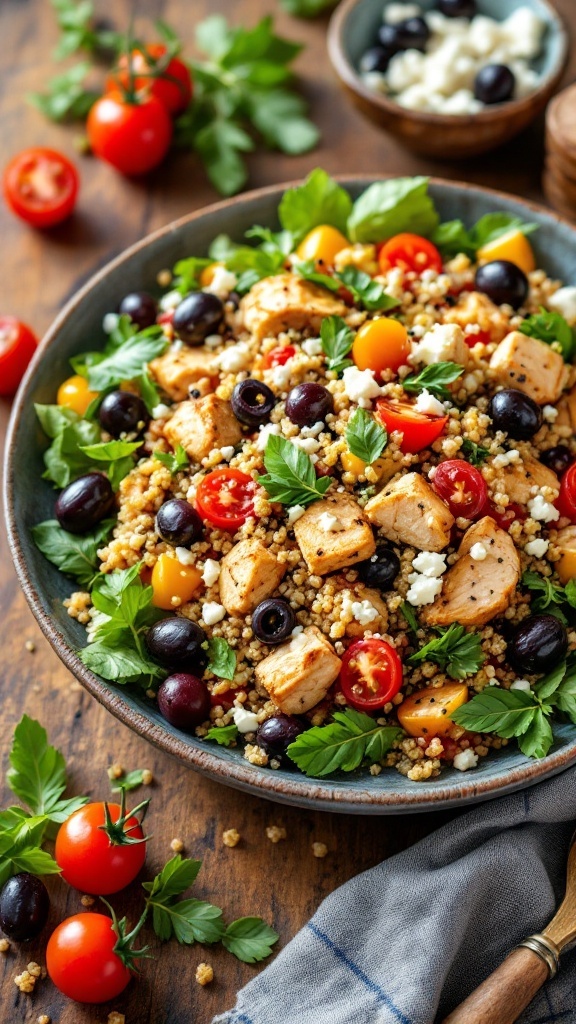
[
  {"x": 24, "y": 906},
  {"x": 375, "y": 59},
  {"x": 494, "y": 83},
  {"x": 197, "y": 316},
  {"x": 538, "y": 645},
  {"x": 121, "y": 412},
  {"x": 140, "y": 307},
  {"x": 176, "y": 642},
  {"x": 458, "y": 8},
  {"x": 273, "y": 620},
  {"x": 308, "y": 404},
  {"x": 381, "y": 570},
  {"x": 84, "y": 502},
  {"x": 503, "y": 282},
  {"x": 252, "y": 402},
  {"x": 412, "y": 34},
  {"x": 275, "y": 734},
  {"x": 184, "y": 701},
  {"x": 515, "y": 413},
  {"x": 558, "y": 459},
  {"x": 178, "y": 523}
]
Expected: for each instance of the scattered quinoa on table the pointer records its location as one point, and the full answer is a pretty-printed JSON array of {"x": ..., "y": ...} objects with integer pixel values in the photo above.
[{"x": 324, "y": 489}]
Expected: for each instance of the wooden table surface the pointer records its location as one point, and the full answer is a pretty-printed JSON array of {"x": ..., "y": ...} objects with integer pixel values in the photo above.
[{"x": 284, "y": 883}]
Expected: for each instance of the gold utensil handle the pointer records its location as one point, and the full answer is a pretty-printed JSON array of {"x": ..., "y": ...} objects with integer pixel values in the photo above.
[{"x": 508, "y": 991}]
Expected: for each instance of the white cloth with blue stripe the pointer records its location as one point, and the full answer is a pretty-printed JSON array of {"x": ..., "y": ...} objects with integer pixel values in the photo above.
[{"x": 405, "y": 942}]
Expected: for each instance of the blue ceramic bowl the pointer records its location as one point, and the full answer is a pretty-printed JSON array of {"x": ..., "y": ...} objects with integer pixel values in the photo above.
[
  {"x": 353, "y": 29},
  {"x": 45, "y": 587}
]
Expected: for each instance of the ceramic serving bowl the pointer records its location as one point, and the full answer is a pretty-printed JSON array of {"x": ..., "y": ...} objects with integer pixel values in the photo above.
[
  {"x": 29, "y": 500},
  {"x": 353, "y": 30}
]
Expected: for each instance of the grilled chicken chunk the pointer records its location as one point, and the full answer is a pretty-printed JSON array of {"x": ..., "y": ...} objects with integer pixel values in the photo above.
[
  {"x": 519, "y": 479},
  {"x": 249, "y": 574},
  {"x": 475, "y": 590},
  {"x": 299, "y": 674},
  {"x": 327, "y": 550},
  {"x": 201, "y": 425},
  {"x": 178, "y": 369},
  {"x": 410, "y": 512},
  {"x": 286, "y": 301},
  {"x": 531, "y": 366}
]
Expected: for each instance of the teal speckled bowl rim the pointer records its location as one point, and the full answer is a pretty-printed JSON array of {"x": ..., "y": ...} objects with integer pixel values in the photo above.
[{"x": 292, "y": 788}]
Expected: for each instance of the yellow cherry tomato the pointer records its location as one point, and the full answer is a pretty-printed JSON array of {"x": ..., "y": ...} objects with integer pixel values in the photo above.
[
  {"x": 352, "y": 464},
  {"x": 207, "y": 275},
  {"x": 173, "y": 583},
  {"x": 513, "y": 246},
  {"x": 322, "y": 244},
  {"x": 381, "y": 344},
  {"x": 427, "y": 712},
  {"x": 75, "y": 394},
  {"x": 566, "y": 564}
]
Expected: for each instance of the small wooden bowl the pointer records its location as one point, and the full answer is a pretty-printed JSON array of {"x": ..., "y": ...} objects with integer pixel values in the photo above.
[{"x": 352, "y": 31}]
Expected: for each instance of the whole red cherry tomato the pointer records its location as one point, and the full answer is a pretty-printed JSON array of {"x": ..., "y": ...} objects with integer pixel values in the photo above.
[
  {"x": 419, "y": 429},
  {"x": 410, "y": 252},
  {"x": 132, "y": 136},
  {"x": 157, "y": 74},
  {"x": 82, "y": 961},
  {"x": 462, "y": 487},
  {"x": 40, "y": 186},
  {"x": 566, "y": 501},
  {"x": 371, "y": 674},
  {"x": 225, "y": 498},
  {"x": 100, "y": 849},
  {"x": 17, "y": 346}
]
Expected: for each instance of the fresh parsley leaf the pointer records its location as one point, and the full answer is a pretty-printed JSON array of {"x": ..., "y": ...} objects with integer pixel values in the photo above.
[
  {"x": 64, "y": 459},
  {"x": 549, "y": 596},
  {"x": 308, "y": 270},
  {"x": 509, "y": 713},
  {"x": 175, "y": 461},
  {"x": 457, "y": 652},
  {"x": 221, "y": 658},
  {"x": 570, "y": 592},
  {"x": 129, "y": 781},
  {"x": 219, "y": 145},
  {"x": 79, "y": 31},
  {"x": 37, "y": 773},
  {"x": 127, "y": 360},
  {"x": 187, "y": 273},
  {"x": 387, "y": 208},
  {"x": 66, "y": 98},
  {"x": 74, "y": 554},
  {"x": 148, "y": 391},
  {"x": 410, "y": 616},
  {"x": 320, "y": 200},
  {"x": 564, "y": 696},
  {"x": 550, "y": 328},
  {"x": 474, "y": 453},
  {"x": 249, "y": 263},
  {"x": 250, "y": 939},
  {"x": 223, "y": 736},
  {"x": 546, "y": 687},
  {"x": 306, "y": 8},
  {"x": 365, "y": 438},
  {"x": 20, "y": 845},
  {"x": 350, "y": 740},
  {"x": 433, "y": 378},
  {"x": 290, "y": 477},
  {"x": 177, "y": 875},
  {"x": 538, "y": 738},
  {"x": 337, "y": 340},
  {"x": 280, "y": 117},
  {"x": 365, "y": 290},
  {"x": 453, "y": 238},
  {"x": 189, "y": 920},
  {"x": 116, "y": 457}
]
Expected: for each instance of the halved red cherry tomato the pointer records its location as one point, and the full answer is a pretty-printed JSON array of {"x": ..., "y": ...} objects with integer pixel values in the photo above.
[
  {"x": 17, "y": 346},
  {"x": 134, "y": 137},
  {"x": 98, "y": 856},
  {"x": 40, "y": 186},
  {"x": 81, "y": 961},
  {"x": 279, "y": 356},
  {"x": 371, "y": 673},
  {"x": 462, "y": 487},
  {"x": 504, "y": 519},
  {"x": 566, "y": 501},
  {"x": 168, "y": 79},
  {"x": 419, "y": 429},
  {"x": 226, "y": 700},
  {"x": 226, "y": 498},
  {"x": 410, "y": 252}
]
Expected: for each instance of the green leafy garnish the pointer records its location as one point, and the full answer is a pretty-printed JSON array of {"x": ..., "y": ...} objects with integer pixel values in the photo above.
[
  {"x": 365, "y": 438},
  {"x": 174, "y": 461},
  {"x": 221, "y": 658},
  {"x": 453, "y": 238},
  {"x": 148, "y": 391},
  {"x": 64, "y": 459},
  {"x": 79, "y": 31},
  {"x": 125, "y": 356},
  {"x": 306, "y": 8},
  {"x": 388, "y": 207},
  {"x": 549, "y": 596},
  {"x": 352, "y": 739},
  {"x": 433, "y": 378},
  {"x": 37, "y": 773},
  {"x": 21, "y": 837},
  {"x": 250, "y": 264},
  {"x": 223, "y": 736},
  {"x": 509, "y": 713},
  {"x": 474, "y": 453},
  {"x": 365, "y": 290},
  {"x": 320, "y": 200},
  {"x": 129, "y": 781},
  {"x": 250, "y": 939},
  {"x": 66, "y": 98},
  {"x": 187, "y": 273},
  {"x": 290, "y": 477},
  {"x": 74, "y": 554},
  {"x": 116, "y": 457},
  {"x": 337, "y": 340},
  {"x": 551, "y": 328},
  {"x": 457, "y": 652},
  {"x": 410, "y": 616}
]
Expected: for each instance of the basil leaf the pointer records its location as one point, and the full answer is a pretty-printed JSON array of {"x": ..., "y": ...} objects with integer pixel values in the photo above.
[
  {"x": 37, "y": 773},
  {"x": 508, "y": 713},
  {"x": 453, "y": 238},
  {"x": 148, "y": 391},
  {"x": 365, "y": 438},
  {"x": 343, "y": 745},
  {"x": 221, "y": 658},
  {"x": 433, "y": 378},
  {"x": 55, "y": 418},
  {"x": 187, "y": 273},
  {"x": 387, "y": 208},
  {"x": 176, "y": 461},
  {"x": 291, "y": 478},
  {"x": 119, "y": 663},
  {"x": 128, "y": 360},
  {"x": 494, "y": 225},
  {"x": 249, "y": 939},
  {"x": 223, "y": 736},
  {"x": 74, "y": 554},
  {"x": 365, "y": 290},
  {"x": 128, "y": 782},
  {"x": 550, "y": 327},
  {"x": 116, "y": 456},
  {"x": 64, "y": 459},
  {"x": 337, "y": 340},
  {"x": 455, "y": 650},
  {"x": 320, "y": 200},
  {"x": 474, "y": 453}
]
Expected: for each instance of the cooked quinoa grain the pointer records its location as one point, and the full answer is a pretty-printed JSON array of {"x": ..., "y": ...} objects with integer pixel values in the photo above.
[
  {"x": 204, "y": 974},
  {"x": 231, "y": 837}
]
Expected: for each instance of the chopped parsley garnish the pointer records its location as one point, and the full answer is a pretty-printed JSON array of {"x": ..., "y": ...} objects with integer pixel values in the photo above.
[
  {"x": 474, "y": 453},
  {"x": 337, "y": 340},
  {"x": 291, "y": 478},
  {"x": 457, "y": 652},
  {"x": 433, "y": 378}
]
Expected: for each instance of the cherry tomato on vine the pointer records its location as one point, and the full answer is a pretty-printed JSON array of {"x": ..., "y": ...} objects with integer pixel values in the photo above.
[
  {"x": 566, "y": 502},
  {"x": 132, "y": 136},
  {"x": 40, "y": 186},
  {"x": 419, "y": 429},
  {"x": 462, "y": 487},
  {"x": 279, "y": 356},
  {"x": 371, "y": 674},
  {"x": 82, "y": 962},
  {"x": 157, "y": 74},
  {"x": 17, "y": 346},
  {"x": 100, "y": 852},
  {"x": 225, "y": 498},
  {"x": 381, "y": 344},
  {"x": 410, "y": 252}
]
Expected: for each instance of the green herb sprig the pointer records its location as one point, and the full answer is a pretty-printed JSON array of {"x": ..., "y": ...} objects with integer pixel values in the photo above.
[
  {"x": 433, "y": 378},
  {"x": 474, "y": 453},
  {"x": 365, "y": 438},
  {"x": 352, "y": 739},
  {"x": 337, "y": 340},
  {"x": 290, "y": 477},
  {"x": 551, "y": 327},
  {"x": 74, "y": 554},
  {"x": 457, "y": 652}
]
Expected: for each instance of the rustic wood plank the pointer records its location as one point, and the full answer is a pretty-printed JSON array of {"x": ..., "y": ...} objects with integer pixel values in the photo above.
[{"x": 284, "y": 882}]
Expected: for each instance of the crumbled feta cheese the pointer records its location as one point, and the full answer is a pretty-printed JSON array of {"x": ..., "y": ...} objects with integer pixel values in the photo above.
[
  {"x": 330, "y": 523},
  {"x": 537, "y": 547},
  {"x": 265, "y": 432},
  {"x": 227, "y": 452},
  {"x": 542, "y": 510},
  {"x": 185, "y": 557},
  {"x": 506, "y": 459},
  {"x": 312, "y": 347},
  {"x": 170, "y": 301},
  {"x": 364, "y": 612},
  {"x": 213, "y": 341},
  {"x": 523, "y": 31},
  {"x": 564, "y": 302},
  {"x": 223, "y": 282},
  {"x": 234, "y": 357},
  {"x": 294, "y": 513},
  {"x": 360, "y": 386},
  {"x": 110, "y": 322},
  {"x": 478, "y": 552},
  {"x": 394, "y": 13},
  {"x": 159, "y": 412},
  {"x": 430, "y": 564},
  {"x": 281, "y": 375},
  {"x": 465, "y": 759},
  {"x": 210, "y": 572},
  {"x": 521, "y": 684},
  {"x": 461, "y": 102},
  {"x": 429, "y": 405},
  {"x": 423, "y": 590},
  {"x": 312, "y": 431},
  {"x": 307, "y": 444},
  {"x": 212, "y": 612},
  {"x": 549, "y": 413},
  {"x": 437, "y": 345},
  {"x": 296, "y": 631},
  {"x": 245, "y": 721}
]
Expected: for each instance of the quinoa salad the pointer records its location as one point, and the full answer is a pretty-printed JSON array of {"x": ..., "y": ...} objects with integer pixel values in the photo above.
[{"x": 317, "y": 489}]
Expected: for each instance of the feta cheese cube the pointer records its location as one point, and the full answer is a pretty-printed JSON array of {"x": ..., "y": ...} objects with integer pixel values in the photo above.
[
  {"x": 394, "y": 13},
  {"x": 542, "y": 510},
  {"x": 537, "y": 547},
  {"x": 465, "y": 759},
  {"x": 330, "y": 523},
  {"x": 429, "y": 405},
  {"x": 245, "y": 721},
  {"x": 212, "y": 612},
  {"x": 423, "y": 590},
  {"x": 521, "y": 684},
  {"x": 265, "y": 432},
  {"x": 478, "y": 552},
  {"x": 564, "y": 302},
  {"x": 364, "y": 612},
  {"x": 312, "y": 347},
  {"x": 360, "y": 386},
  {"x": 234, "y": 358},
  {"x": 294, "y": 513},
  {"x": 210, "y": 572},
  {"x": 223, "y": 282},
  {"x": 430, "y": 563}
]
